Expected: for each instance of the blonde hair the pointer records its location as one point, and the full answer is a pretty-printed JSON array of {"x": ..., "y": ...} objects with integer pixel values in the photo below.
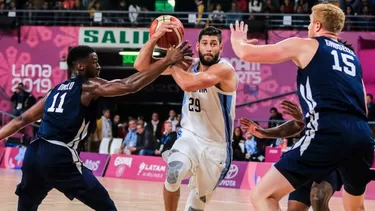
[{"x": 330, "y": 16}]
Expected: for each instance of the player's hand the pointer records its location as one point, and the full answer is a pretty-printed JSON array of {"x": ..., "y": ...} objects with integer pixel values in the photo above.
[
  {"x": 293, "y": 110},
  {"x": 239, "y": 34},
  {"x": 182, "y": 52},
  {"x": 164, "y": 28},
  {"x": 252, "y": 127}
]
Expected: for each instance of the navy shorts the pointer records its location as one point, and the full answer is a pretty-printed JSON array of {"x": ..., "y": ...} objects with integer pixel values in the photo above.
[
  {"x": 47, "y": 166},
  {"x": 332, "y": 141},
  {"x": 302, "y": 194}
]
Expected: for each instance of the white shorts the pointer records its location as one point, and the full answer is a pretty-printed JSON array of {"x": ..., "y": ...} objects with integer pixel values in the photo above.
[{"x": 210, "y": 161}]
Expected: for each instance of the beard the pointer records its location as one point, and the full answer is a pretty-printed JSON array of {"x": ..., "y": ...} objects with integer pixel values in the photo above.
[{"x": 210, "y": 62}]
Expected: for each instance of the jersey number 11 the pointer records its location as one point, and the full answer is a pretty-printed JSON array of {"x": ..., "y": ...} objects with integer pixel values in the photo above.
[{"x": 59, "y": 109}]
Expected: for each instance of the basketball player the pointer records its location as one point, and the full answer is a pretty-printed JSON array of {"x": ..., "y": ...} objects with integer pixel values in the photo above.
[
  {"x": 332, "y": 96},
  {"x": 51, "y": 160},
  {"x": 315, "y": 195},
  {"x": 203, "y": 149}
]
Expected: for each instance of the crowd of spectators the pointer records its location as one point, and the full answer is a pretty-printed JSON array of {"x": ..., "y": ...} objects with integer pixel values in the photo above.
[{"x": 218, "y": 14}]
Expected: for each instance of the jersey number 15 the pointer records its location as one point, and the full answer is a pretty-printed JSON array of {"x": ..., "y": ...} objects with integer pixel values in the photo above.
[{"x": 348, "y": 66}]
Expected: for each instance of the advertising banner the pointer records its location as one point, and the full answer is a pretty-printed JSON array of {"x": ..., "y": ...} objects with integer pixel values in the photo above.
[
  {"x": 13, "y": 158},
  {"x": 109, "y": 37},
  {"x": 137, "y": 167},
  {"x": 34, "y": 61},
  {"x": 2, "y": 150},
  {"x": 95, "y": 162},
  {"x": 234, "y": 177}
]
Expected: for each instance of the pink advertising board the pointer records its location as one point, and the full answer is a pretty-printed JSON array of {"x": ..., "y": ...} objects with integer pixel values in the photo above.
[
  {"x": 95, "y": 162},
  {"x": 234, "y": 177},
  {"x": 13, "y": 158},
  {"x": 34, "y": 61},
  {"x": 137, "y": 167}
]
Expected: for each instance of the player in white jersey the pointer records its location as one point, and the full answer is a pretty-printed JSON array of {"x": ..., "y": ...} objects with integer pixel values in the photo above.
[{"x": 203, "y": 149}]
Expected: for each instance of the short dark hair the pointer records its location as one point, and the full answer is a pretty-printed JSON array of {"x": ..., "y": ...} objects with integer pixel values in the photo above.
[
  {"x": 273, "y": 109},
  {"x": 210, "y": 31},
  {"x": 346, "y": 44},
  {"x": 370, "y": 95},
  {"x": 77, "y": 53}
]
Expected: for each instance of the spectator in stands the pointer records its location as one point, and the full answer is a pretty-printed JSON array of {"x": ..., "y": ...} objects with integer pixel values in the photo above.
[
  {"x": 104, "y": 126},
  {"x": 217, "y": 16},
  {"x": 146, "y": 142},
  {"x": 167, "y": 140},
  {"x": 155, "y": 126},
  {"x": 2, "y": 7},
  {"x": 255, "y": 6},
  {"x": 134, "y": 13},
  {"x": 123, "y": 18},
  {"x": 19, "y": 99},
  {"x": 287, "y": 7},
  {"x": 77, "y": 17},
  {"x": 61, "y": 16},
  {"x": 366, "y": 22},
  {"x": 275, "y": 116},
  {"x": 231, "y": 18},
  {"x": 371, "y": 107},
  {"x": 117, "y": 127},
  {"x": 200, "y": 10},
  {"x": 237, "y": 142},
  {"x": 251, "y": 148},
  {"x": 242, "y": 5},
  {"x": 130, "y": 138},
  {"x": 93, "y": 7},
  {"x": 303, "y": 6},
  {"x": 178, "y": 118},
  {"x": 178, "y": 127},
  {"x": 140, "y": 120},
  {"x": 172, "y": 119},
  {"x": 349, "y": 20}
]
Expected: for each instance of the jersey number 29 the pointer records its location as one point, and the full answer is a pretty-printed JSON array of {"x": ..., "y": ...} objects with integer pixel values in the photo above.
[
  {"x": 59, "y": 109},
  {"x": 194, "y": 105},
  {"x": 349, "y": 67}
]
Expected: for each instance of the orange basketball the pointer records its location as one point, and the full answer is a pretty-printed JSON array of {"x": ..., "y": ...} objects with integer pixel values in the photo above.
[{"x": 169, "y": 39}]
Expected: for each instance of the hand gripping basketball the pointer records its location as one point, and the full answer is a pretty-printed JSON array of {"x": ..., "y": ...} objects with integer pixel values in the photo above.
[{"x": 164, "y": 28}]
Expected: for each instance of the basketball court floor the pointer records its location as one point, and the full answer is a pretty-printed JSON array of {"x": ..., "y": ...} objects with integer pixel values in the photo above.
[{"x": 138, "y": 196}]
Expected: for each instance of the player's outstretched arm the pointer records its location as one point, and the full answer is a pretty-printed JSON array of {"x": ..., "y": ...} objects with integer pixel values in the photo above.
[
  {"x": 31, "y": 115},
  {"x": 191, "y": 82},
  {"x": 145, "y": 58},
  {"x": 288, "y": 129},
  {"x": 246, "y": 50},
  {"x": 138, "y": 80}
]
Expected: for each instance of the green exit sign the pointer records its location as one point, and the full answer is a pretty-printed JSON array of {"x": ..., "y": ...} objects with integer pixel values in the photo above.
[{"x": 128, "y": 59}]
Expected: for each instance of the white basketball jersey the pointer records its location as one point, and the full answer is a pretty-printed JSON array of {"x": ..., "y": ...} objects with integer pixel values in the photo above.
[{"x": 209, "y": 113}]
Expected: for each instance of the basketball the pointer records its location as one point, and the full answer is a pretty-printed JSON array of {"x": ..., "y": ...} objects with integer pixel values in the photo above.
[{"x": 169, "y": 39}]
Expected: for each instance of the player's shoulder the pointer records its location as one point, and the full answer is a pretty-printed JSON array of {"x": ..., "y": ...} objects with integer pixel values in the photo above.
[{"x": 299, "y": 41}]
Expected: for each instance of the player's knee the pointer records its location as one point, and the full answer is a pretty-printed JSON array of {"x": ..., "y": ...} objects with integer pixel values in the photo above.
[{"x": 177, "y": 170}]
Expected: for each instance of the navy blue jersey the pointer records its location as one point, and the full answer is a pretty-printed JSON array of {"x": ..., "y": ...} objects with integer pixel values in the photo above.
[
  {"x": 332, "y": 81},
  {"x": 65, "y": 118}
]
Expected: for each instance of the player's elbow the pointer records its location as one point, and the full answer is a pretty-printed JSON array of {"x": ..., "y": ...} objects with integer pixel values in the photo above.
[{"x": 187, "y": 87}]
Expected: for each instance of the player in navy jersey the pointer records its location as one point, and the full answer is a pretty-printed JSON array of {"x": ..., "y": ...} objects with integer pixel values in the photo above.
[
  {"x": 67, "y": 112},
  {"x": 332, "y": 97},
  {"x": 315, "y": 195}
]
